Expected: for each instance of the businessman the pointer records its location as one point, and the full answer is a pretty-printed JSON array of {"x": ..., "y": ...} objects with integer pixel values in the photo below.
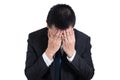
[{"x": 58, "y": 51}]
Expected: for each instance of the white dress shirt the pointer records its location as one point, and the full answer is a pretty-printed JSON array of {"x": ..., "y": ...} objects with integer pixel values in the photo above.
[{"x": 48, "y": 61}]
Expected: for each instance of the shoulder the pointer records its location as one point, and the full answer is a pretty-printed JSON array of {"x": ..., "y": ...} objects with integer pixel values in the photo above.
[
  {"x": 81, "y": 35},
  {"x": 38, "y": 33}
]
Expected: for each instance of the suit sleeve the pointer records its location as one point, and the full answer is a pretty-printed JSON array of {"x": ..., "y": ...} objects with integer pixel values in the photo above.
[
  {"x": 35, "y": 67},
  {"x": 82, "y": 64}
]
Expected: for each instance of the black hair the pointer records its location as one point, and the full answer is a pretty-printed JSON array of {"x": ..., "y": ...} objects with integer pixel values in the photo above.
[{"x": 61, "y": 16}]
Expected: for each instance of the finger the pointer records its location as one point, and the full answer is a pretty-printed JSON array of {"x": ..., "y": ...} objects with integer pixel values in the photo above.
[
  {"x": 67, "y": 33},
  {"x": 57, "y": 35},
  {"x": 71, "y": 31},
  {"x": 66, "y": 37},
  {"x": 49, "y": 33},
  {"x": 54, "y": 33},
  {"x": 60, "y": 35},
  {"x": 64, "y": 34},
  {"x": 64, "y": 43},
  {"x": 73, "y": 35}
]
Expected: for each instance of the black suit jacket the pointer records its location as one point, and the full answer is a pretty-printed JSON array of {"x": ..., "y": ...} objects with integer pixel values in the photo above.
[{"x": 81, "y": 68}]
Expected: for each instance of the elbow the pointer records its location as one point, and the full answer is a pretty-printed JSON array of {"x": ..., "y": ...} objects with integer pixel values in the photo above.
[
  {"x": 29, "y": 74},
  {"x": 91, "y": 73}
]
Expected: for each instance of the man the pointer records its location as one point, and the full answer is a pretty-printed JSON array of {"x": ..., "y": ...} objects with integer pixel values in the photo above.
[{"x": 58, "y": 51}]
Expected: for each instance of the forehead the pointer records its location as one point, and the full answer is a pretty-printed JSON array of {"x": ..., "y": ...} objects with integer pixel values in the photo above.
[{"x": 55, "y": 28}]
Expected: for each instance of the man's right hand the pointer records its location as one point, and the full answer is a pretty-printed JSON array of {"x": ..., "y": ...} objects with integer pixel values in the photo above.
[{"x": 54, "y": 43}]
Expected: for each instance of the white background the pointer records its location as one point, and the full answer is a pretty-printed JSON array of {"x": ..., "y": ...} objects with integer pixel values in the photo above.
[{"x": 100, "y": 19}]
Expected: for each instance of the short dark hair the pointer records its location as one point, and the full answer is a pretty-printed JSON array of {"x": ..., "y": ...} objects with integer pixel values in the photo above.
[{"x": 62, "y": 16}]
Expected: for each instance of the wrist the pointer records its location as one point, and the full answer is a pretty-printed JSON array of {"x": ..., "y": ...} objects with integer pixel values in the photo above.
[
  {"x": 49, "y": 54},
  {"x": 71, "y": 54}
]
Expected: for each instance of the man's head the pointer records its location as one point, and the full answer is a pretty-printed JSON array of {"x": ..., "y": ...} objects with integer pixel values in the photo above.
[{"x": 61, "y": 16}]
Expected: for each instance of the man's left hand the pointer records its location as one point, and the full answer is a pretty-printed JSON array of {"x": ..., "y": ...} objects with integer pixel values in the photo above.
[{"x": 68, "y": 41}]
